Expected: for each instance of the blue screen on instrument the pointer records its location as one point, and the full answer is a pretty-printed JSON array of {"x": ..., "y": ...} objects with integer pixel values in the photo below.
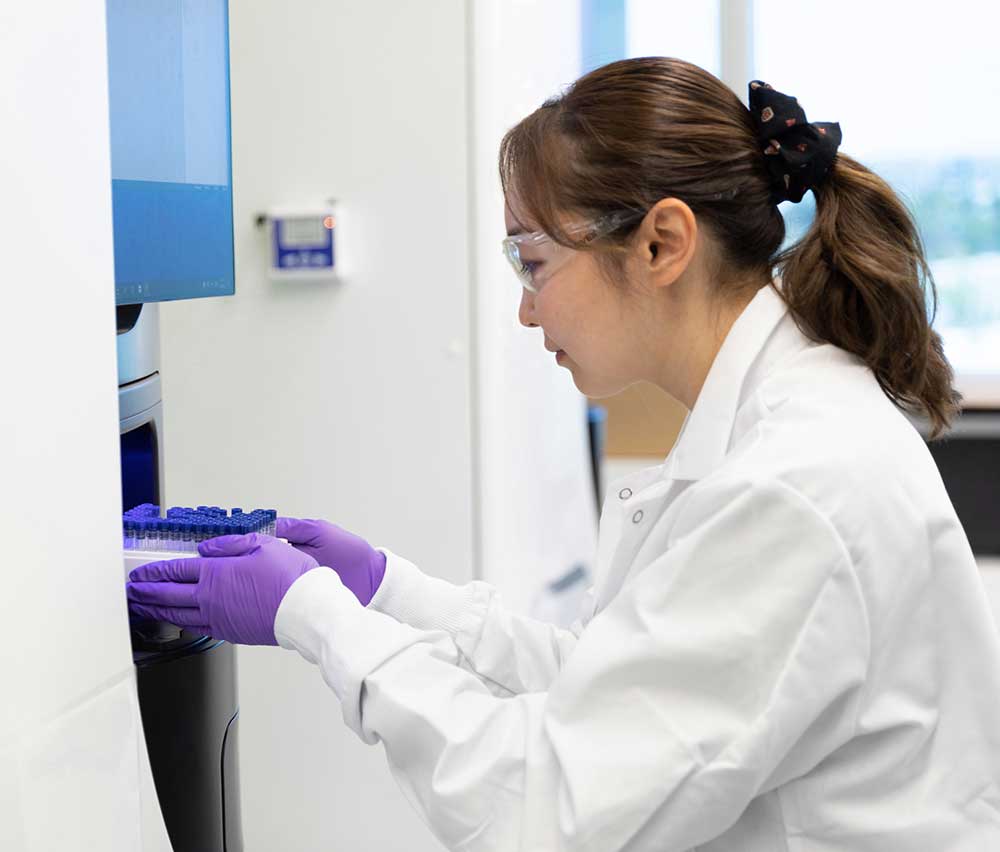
[{"x": 171, "y": 162}]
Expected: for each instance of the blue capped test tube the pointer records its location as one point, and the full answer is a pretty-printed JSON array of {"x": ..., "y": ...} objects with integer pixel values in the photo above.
[{"x": 182, "y": 528}]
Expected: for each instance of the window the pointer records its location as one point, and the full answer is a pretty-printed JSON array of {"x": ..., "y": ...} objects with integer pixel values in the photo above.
[
  {"x": 673, "y": 28},
  {"x": 615, "y": 29}
]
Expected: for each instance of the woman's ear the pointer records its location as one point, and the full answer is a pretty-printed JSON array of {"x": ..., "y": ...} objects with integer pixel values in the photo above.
[{"x": 668, "y": 236}]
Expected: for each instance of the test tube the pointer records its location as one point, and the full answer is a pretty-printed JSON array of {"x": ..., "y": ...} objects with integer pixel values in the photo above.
[{"x": 182, "y": 528}]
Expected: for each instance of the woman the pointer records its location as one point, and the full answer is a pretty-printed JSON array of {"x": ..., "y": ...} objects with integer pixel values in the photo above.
[{"x": 787, "y": 646}]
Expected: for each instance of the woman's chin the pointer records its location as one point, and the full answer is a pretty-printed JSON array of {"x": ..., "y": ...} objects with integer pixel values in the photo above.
[{"x": 594, "y": 388}]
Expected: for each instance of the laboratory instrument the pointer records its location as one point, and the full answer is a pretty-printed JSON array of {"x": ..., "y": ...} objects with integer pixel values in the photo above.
[{"x": 171, "y": 194}]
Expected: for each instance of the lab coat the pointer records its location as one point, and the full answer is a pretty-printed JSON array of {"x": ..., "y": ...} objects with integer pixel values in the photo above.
[{"x": 787, "y": 646}]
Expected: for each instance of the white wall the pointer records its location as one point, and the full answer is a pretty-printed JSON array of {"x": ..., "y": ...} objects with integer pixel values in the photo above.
[
  {"x": 69, "y": 727},
  {"x": 347, "y": 402},
  {"x": 538, "y": 512}
]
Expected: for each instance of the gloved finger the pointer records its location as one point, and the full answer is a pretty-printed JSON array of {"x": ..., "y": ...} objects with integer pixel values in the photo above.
[
  {"x": 185, "y": 570},
  {"x": 163, "y": 594},
  {"x": 180, "y": 616},
  {"x": 296, "y": 530},
  {"x": 229, "y": 545}
]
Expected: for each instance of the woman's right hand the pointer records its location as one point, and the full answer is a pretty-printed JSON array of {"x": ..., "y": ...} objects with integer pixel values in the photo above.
[{"x": 358, "y": 564}]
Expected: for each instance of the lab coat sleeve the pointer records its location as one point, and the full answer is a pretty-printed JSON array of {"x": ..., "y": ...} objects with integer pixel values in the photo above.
[
  {"x": 516, "y": 653},
  {"x": 729, "y": 665}
]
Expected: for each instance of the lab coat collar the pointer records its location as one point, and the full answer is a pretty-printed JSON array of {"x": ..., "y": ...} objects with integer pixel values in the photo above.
[{"x": 705, "y": 436}]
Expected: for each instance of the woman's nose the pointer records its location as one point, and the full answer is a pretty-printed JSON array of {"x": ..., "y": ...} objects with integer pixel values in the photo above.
[{"x": 526, "y": 310}]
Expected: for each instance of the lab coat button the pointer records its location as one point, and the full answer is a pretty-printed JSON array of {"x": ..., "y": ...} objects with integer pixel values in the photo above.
[
  {"x": 625, "y": 493},
  {"x": 637, "y": 517}
]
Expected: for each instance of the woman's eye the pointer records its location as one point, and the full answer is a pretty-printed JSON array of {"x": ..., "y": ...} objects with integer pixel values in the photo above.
[{"x": 528, "y": 267}]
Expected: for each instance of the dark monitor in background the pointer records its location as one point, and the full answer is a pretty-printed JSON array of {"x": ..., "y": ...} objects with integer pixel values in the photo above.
[
  {"x": 171, "y": 164},
  {"x": 969, "y": 462}
]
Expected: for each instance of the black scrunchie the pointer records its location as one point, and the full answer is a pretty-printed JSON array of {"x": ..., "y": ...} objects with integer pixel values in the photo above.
[{"x": 798, "y": 154}]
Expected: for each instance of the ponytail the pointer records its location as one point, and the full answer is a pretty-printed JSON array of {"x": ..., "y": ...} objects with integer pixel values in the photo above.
[{"x": 859, "y": 279}]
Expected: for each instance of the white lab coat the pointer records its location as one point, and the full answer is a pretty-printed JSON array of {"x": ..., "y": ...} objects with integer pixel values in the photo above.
[{"x": 787, "y": 646}]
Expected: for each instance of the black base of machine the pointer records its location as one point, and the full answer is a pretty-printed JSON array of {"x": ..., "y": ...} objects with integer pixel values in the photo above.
[{"x": 190, "y": 716}]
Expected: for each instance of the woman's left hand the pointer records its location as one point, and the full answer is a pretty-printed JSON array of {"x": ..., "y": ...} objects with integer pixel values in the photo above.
[
  {"x": 231, "y": 591},
  {"x": 359, "y": 565}
]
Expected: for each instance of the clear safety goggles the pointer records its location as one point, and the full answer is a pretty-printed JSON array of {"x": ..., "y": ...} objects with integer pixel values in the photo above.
[{"x": 535, "y": 257}]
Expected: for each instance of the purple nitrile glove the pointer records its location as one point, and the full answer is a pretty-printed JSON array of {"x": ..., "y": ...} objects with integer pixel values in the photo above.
[
  {"x": 359, "y": 565},
  {"x": 232, "y": 591}
]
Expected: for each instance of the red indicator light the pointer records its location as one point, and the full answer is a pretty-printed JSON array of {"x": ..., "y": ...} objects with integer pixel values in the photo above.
[{"x": 328, "y": 223}]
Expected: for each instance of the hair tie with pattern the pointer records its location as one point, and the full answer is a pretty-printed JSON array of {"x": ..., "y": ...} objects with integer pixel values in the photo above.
[{"x": 798, "y": 154}]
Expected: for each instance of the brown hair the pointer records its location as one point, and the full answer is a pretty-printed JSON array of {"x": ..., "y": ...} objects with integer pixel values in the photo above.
[{"x": 633, "y": 132}]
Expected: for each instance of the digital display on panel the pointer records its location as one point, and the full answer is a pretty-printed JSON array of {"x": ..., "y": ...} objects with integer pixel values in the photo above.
[{"x": 171, "y": 163}]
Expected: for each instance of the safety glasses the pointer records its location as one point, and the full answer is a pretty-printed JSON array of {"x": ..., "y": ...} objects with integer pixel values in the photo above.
[{"x": 535, "y": 257}]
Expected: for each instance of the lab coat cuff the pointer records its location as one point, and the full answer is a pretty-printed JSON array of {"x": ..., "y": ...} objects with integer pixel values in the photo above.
[
  {"x": 321, "y": 619},
  {"x": 429, "y": 603}
]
